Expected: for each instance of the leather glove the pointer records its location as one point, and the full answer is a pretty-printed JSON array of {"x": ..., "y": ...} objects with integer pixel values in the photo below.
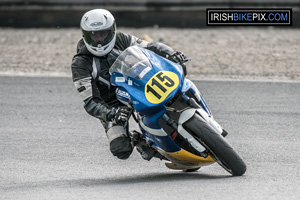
[
  {"x": 119, "y": 116},
  {"x": 177, "y": 57}
]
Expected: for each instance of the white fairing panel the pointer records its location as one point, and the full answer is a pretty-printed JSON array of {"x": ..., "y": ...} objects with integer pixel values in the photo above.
[
  {"x": 210, "y": 121},
  {"x": 157, "y": 132},
  {"x": 187, "y": 114}
]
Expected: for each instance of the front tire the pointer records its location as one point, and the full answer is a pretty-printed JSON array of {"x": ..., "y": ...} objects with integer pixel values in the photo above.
[{"x": 218, "y": 147}]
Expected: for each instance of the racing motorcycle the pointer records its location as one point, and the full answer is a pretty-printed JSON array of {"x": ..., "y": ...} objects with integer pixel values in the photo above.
[{"x": 172, "y": 115}]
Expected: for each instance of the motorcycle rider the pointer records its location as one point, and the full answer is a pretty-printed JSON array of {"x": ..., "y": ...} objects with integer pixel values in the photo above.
[{"x": 96, "y": 51}]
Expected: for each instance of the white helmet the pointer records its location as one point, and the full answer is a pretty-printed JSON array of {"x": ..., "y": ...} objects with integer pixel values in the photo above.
[{"x": 99, "y": 31}]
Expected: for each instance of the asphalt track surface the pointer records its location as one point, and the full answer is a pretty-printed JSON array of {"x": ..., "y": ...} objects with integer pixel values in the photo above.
[{"x": 51, "y": 149}]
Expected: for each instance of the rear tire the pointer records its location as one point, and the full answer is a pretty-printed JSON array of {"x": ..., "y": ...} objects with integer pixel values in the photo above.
[{"x": 218, "y": 147}]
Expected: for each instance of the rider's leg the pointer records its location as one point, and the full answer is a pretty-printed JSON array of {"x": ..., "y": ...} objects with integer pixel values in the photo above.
[{"x": 119, "y": 142}]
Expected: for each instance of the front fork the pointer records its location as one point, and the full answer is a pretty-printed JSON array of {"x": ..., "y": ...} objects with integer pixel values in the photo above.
[
  {"x": 188, "y": 114},
  {"x": 195, "y": 107},
  {"x": 200, "y": 105}
]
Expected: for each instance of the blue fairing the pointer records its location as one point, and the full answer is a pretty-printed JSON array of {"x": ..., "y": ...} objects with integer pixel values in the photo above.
[
  {"x": 151, "y": 120},
  {"x": 162, "y": 142},
  {"x": 136, "y": 87},
  {"x": 132, "y": 88},
  {"x": 190, "y": 86}
]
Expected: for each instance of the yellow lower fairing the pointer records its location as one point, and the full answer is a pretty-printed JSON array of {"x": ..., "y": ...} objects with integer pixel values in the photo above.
[{"x": 185, "y": 159}]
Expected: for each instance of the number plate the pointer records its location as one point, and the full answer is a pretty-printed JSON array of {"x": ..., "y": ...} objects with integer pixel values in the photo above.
[{"x": 160, "y": 86}]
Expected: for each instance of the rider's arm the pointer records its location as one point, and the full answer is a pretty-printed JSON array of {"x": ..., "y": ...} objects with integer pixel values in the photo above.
[
  {"x": 160, "y": 49},
  {"x": 157, "y": 47},
  {"x": 83, "y": 82},
  {"x": 126, "y": 40}
]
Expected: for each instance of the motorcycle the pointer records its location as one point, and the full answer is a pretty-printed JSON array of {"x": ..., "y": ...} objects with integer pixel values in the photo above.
[{"x": 172, "y": 115}]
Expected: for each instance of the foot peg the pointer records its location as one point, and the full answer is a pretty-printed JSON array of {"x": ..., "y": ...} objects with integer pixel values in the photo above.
[
  {"x": 146, "y": 152},
  {"x": 142, "y": 147}
]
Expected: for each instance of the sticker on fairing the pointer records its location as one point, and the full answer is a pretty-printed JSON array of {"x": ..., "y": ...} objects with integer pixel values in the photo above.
[
  {"x": 120, "y": 79},
  {"x": 129, "y": 82},
  {"x": 122, "y": 93},
  {"x": 160, "y": 86}
]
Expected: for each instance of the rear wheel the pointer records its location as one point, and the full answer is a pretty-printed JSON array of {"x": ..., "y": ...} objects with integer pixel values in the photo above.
[{"x": 218, "y": 147}]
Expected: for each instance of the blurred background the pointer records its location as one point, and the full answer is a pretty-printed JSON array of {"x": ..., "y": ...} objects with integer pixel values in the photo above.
[
  {"x": 39, "y": 37},
  {"x": 128, "y": 13}
]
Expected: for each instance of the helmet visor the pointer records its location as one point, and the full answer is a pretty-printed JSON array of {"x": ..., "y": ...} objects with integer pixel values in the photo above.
[{"x": 98, "y": 38}]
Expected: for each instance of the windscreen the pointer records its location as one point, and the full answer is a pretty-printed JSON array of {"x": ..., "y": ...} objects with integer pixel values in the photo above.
[{"x": 132, "y": 62}]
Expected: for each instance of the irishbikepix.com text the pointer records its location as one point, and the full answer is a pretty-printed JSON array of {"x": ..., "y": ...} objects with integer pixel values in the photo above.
[{"x": 269, "y": 17}]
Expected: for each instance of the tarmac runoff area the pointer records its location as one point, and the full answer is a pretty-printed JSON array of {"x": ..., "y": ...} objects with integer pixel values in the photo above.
[{"x": 52, "y": 149}]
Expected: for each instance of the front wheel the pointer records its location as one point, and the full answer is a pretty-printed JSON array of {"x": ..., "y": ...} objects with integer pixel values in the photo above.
[{"x": 218, "y": 147}]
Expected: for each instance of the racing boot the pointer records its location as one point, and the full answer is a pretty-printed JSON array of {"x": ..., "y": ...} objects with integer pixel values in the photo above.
[
  {"x": 142, "y": 147},
  {"x": 119, "y": 143}
]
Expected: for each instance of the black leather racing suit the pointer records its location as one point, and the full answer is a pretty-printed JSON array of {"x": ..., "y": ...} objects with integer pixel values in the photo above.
[
  {"x": 91, "y": 74},
  {"x": 92, "y": 79}
]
